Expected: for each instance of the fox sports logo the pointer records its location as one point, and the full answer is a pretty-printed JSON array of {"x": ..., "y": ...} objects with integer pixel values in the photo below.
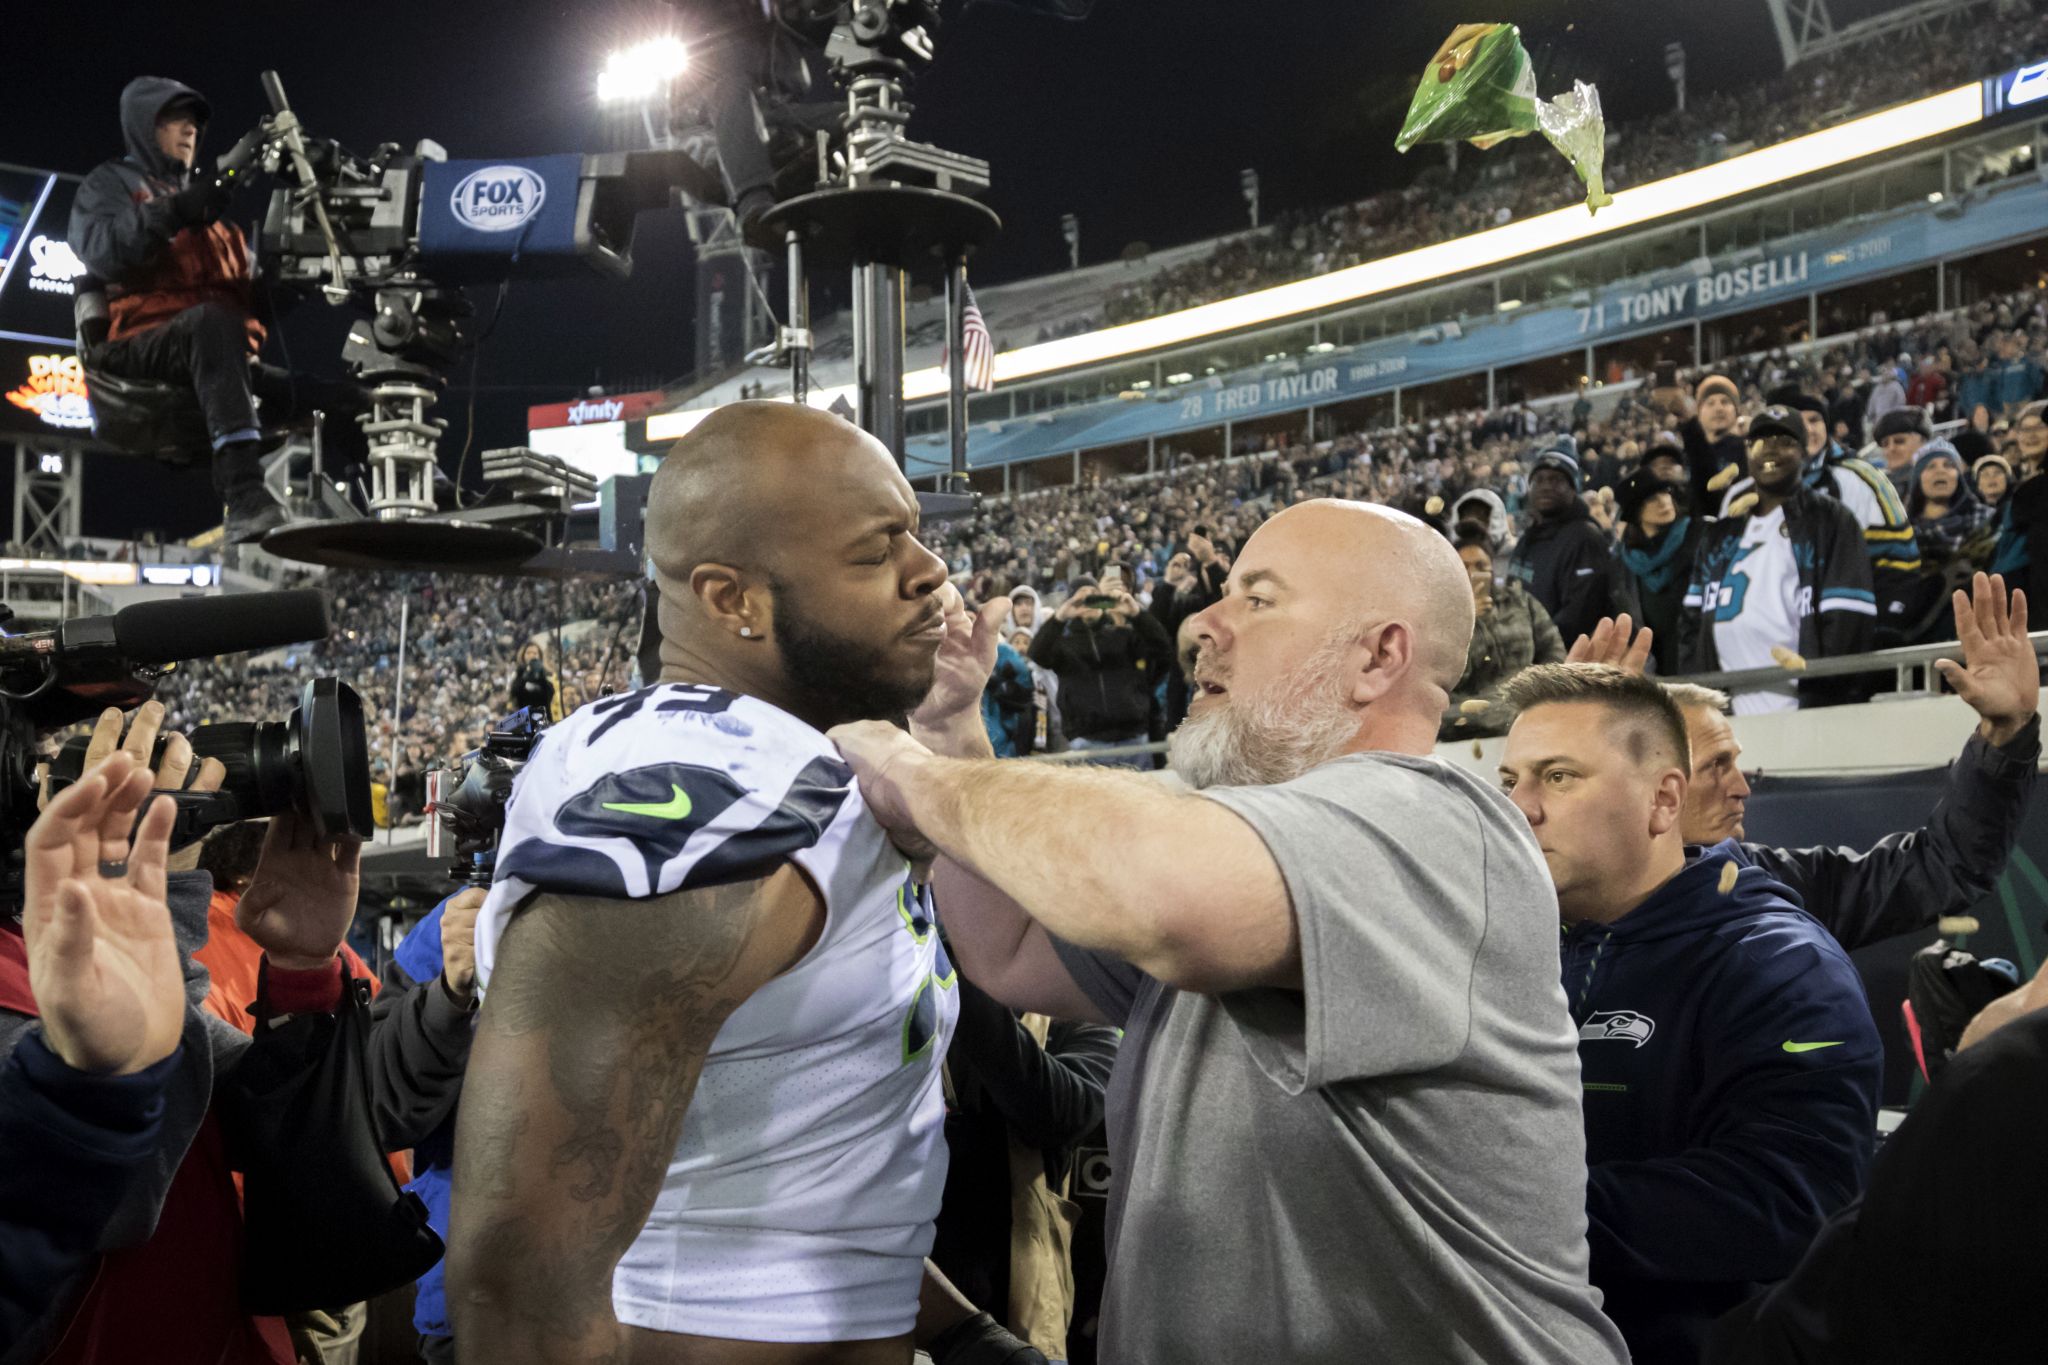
[{"x": 498, "y": 198}]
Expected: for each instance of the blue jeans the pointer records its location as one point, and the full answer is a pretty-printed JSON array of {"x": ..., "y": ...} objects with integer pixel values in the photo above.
[{"x": 1142, "y": 762}]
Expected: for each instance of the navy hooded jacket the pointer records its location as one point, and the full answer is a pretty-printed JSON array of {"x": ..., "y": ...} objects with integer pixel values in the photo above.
[{"x": 1731, "y": 1071}]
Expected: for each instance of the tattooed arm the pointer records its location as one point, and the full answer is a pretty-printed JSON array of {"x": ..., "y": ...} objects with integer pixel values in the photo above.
[{"x": 591, "y": 1039}]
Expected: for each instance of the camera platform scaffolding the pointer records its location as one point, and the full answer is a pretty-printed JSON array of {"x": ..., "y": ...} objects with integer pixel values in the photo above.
[
  {"x": 892, "y": 206},
  {"x": 379, "y": 234},
  {"x": 884, "y": 206}
]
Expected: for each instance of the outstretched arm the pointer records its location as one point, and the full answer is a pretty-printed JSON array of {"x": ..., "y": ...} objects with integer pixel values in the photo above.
[
  {"x": 1188, "y": 894},
  {"x": 1906, "y": 881},
  {"x": 592, "y": 1036},
  {"x": 996, "y": 943}
]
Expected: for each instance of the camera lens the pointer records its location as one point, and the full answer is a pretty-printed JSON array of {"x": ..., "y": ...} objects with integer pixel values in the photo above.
[
  {"x": 253, "y": 752},
  {"x": 316, "y": 763}
]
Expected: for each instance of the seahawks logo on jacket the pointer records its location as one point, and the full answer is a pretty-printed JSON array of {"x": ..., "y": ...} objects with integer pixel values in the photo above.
[{"x": 1624, "y": 1024}]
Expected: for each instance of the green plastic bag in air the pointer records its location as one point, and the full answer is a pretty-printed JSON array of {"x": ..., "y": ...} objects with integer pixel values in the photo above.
[{"x": 1480, "y": 88}]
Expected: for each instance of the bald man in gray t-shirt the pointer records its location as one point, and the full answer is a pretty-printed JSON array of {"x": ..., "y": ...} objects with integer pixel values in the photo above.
[
  {"x": 1390, "y": 1163},
  {"x": 1345, "y": 1119}
]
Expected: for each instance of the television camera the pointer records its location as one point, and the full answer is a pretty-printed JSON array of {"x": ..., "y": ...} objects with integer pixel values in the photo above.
[
  {"x": 466, "y": 803},
  {"x": 397, "y": 234},
  {"x": 315, "y": 762}
]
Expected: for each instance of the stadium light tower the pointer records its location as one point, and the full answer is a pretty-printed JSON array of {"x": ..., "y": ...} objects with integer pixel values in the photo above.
[
  {"x": 1674, "y": 67},
  {"x": 1070, "y": 228},
  {"x": 1248, "y": 181}
]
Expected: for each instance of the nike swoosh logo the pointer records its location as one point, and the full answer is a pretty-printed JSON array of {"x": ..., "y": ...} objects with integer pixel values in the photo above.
[
  {"x": 1809, "y": 1047},
  {"x": 677, "y": 807}
]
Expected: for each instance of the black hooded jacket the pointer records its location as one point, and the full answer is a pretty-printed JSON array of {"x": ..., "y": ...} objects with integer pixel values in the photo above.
[
  {"x": 123, "y": 218},
  {"x": 1565, "y": 563},
  {"x": 128, "y": 232},
  {"x": 1106, "y": 672}
]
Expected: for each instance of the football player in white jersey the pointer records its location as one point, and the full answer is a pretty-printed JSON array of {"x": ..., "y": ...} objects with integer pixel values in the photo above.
[{"x": 703, "y": 1117}]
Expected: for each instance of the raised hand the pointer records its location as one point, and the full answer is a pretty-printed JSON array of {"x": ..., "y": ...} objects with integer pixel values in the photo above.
[
  {"x": 1999, "y": 676},
  {"x": 1610, "y": 643},
  {"x": 302, "y": 896},
  {"x": 965, "y": 659},
  {"x": 102, "y": 959}
]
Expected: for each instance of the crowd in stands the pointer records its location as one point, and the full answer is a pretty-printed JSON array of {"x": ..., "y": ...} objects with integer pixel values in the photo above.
[
  {"x": 1931, "y": 511},
  {"x": 1979, "y": 366},
  {"x": 1362, "y": 1007},
  {"x": 1523, "y": 178}
]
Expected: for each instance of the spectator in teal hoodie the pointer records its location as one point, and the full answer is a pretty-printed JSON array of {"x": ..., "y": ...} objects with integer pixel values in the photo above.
[{"x": 1007, "y": 707}]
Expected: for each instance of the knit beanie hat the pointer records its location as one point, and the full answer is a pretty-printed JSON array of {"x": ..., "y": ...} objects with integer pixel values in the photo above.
[
  {"x": 1717, "y": 383},
  {"x": 1900, "y": 421}
]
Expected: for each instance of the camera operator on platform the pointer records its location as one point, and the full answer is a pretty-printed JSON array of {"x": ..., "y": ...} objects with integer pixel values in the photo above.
[
  {"x": 180, "y": 285},
  {"x": 116, "y": 1143}
]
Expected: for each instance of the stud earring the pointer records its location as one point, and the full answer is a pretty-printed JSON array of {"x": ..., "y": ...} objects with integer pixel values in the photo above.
[{"x": 746, "y": 631}]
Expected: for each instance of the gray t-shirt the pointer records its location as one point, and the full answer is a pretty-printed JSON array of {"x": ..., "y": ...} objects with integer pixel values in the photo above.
[{"x": 1390, "y": 1164}]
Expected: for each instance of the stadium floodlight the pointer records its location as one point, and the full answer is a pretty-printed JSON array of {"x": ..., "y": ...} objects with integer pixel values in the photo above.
[
  {"x": 636, "y": 72},
  {"x": 1687, "y": 192}
]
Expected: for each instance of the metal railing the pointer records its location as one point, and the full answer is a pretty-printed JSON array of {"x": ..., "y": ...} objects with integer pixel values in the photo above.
[{"x": 1901, "y": 662}]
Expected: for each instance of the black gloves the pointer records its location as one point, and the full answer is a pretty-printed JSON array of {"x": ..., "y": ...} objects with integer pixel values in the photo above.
[
  {"x": 981, "y": 1340},
  {"x": 200, "y": 202}
]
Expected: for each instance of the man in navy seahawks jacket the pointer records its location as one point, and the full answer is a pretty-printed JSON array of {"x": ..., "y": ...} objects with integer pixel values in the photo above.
[{"x": 1730, "y": 1063}]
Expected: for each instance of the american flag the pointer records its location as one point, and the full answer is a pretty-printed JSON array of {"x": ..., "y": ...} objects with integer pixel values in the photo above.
[{"x": 977, "y": 346}]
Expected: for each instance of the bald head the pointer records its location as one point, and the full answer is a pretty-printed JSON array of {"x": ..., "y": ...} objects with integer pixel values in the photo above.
[
  {"x": 785, "y": 549},
  {"x": 1373, "y": 565},
  {"x": 725, "y": 487},
  {"x": 1343, "y": 626}
]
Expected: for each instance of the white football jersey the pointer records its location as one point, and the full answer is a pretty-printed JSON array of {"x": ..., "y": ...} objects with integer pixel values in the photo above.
[
  {"x": 1758, "y": 610},
  {"x": 799, "y": 1203}
]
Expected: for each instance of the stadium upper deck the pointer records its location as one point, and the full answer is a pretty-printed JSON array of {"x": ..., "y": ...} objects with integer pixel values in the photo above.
[{"x": 1683, "y": 267}]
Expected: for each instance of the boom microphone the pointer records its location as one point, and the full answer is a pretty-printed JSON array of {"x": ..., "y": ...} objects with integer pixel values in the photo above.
[
  {"x": 200, "y": 627},
  {"x": 92, "y": 662}
]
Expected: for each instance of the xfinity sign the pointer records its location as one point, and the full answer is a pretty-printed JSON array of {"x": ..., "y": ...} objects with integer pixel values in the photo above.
[
  {"x": 498, "y": 198},
  {"x": 595, "y": 410}
]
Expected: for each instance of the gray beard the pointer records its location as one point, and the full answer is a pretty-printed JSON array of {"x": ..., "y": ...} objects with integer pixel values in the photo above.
[{"x": 1271, "y": 738}]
